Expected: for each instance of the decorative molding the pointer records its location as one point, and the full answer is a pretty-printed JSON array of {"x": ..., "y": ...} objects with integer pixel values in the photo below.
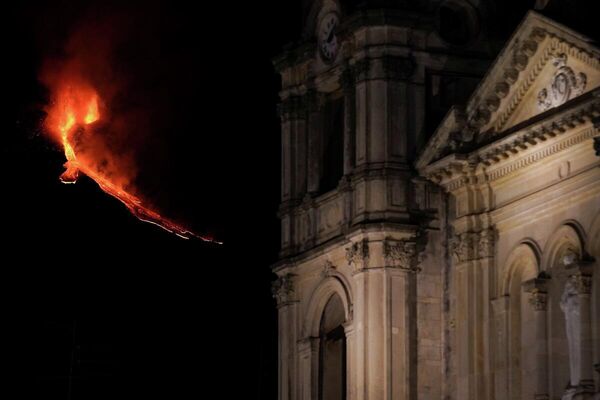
[
  {"x": 402, "y": 254},
  {"x": 557, "y": 47},
  {"x": 357, "y": 255},
  {"x": 582, "y": 283},
  {"x": 454, "y": 181},
  {"x": 507, "y": 83},
  {"x": 526, "y": 83},
  {"x": 565, "y": 85},
  {"x": 487, "y": 239},
  {"x": 283, "y": 290},
  {"x": 462, "y": 247},
  {"x": 469, "y": 246},
  {"x": 541, "y": 154},
  {"x": 328, "y": 269},
  {"x": 538, "y": 300}
]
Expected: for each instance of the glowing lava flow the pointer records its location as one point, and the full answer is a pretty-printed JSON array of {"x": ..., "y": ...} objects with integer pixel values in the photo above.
[{"x": 77, "y": 108}]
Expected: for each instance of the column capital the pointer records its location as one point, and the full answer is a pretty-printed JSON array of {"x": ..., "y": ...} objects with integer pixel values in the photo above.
[
  {"x": 283, "y": 290},
  {"x": 538, "y": 300},
  {"x": 469, "y": 246},
  {"x": 582, "y": 283},
  {"x": 580, "y": 276},
  {"x": 538, "y": 291},
  {"x": 403, "y": 254},
  {"x": 357, "y": 255}
]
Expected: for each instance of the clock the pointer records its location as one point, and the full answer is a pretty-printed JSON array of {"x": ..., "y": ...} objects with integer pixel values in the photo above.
[{"x": 328, "y": 43}]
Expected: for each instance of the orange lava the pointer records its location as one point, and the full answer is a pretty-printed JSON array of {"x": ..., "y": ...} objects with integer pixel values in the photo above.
[{"x": 76, "y": 107}]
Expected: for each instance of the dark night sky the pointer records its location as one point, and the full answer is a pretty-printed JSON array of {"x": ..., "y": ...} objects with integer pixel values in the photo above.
[{"x": 155, "y": 314}]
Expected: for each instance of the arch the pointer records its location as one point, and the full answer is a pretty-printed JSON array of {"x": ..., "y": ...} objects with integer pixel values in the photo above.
[
  {"x": 526, "y": 252},
  {"x": 522, "y": 265},
  {"x": 593, "y": 245},
  {"x": 567, "y": 238},
  {"x": 319, "y": 299},
  {"x": 332, "y": 363},
  {"x": 568, "y": 234}
]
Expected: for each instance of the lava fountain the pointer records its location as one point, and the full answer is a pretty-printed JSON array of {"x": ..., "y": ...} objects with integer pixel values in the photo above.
[{"x": 75, "y": 109}]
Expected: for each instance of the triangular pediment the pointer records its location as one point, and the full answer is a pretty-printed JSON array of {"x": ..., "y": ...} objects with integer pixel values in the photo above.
[{"x": 543, "y": 66}]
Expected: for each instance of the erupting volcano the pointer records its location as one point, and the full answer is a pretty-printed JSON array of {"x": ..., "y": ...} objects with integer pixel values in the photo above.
[{"x": 72, "y": 118}]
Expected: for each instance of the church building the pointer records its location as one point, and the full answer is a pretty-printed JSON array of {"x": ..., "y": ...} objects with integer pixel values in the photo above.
[{"x": 440, "y": 204}]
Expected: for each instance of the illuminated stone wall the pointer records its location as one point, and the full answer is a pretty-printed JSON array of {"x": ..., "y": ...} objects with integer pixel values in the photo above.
[{"x": 452, "y": 277}]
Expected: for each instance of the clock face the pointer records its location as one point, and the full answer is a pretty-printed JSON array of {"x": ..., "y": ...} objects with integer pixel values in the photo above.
[{"x": 327, "y": 38}]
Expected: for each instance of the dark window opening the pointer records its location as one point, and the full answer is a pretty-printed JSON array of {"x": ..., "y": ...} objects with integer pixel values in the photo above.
[{"x": 333, "y": 145}]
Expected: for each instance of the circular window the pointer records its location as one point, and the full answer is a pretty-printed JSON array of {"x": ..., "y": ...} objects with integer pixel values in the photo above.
[{"x": 458, "y": 23}]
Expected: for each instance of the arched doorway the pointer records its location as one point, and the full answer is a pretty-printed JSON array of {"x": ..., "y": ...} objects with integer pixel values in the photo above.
[{"x": 332, "y": 351}]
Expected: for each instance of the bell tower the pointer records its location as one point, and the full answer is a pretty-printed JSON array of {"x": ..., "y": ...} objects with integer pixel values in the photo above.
[{"x": 360, "y": 280}]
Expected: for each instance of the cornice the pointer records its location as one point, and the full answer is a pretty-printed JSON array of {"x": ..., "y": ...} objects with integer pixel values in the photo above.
[
  {"x": 513, "y": 150},
  {"x": 535, "y": 42},
  {"x": 554, "y": 47},
  {"x": 292, "y": 261}
]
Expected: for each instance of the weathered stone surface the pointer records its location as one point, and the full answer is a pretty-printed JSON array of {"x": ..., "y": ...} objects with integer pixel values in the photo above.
[{"x": 474, "y": 277}]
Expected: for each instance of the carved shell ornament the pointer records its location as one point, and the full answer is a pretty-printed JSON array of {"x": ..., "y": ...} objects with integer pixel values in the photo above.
[{"x": 565, "y": 85}]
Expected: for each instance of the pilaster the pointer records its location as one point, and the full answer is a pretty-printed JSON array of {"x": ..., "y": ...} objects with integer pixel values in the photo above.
[
  {"x": 284, "y": 293},
  {"x": 538, "y": 301},
  {"x": 385, "y": 338}
]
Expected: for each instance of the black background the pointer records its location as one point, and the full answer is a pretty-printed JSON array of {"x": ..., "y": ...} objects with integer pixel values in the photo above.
[{"x": 125, "y": 308}]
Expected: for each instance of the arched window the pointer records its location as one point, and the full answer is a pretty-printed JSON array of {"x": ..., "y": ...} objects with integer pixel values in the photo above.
[
  {"x": 332, "y": 351},
  {"x": 562, "y": 254},
  {"x": 522, "y": 355}
]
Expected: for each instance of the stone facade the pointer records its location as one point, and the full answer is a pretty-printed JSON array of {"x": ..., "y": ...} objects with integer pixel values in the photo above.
[{"x": 468, "y": 271}]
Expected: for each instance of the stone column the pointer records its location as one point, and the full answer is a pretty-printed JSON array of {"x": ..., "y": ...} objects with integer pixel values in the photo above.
[
  {"x": 575, "y": 303},
  {"x": 538, "y": 299},
  {"x": 308, "y": 357},
  {"x": 500, "y": 308},
  {"x": 383, "y": 317},
  {"x": 283, "y": 292},
  {"x": 350, "y": 361}
]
